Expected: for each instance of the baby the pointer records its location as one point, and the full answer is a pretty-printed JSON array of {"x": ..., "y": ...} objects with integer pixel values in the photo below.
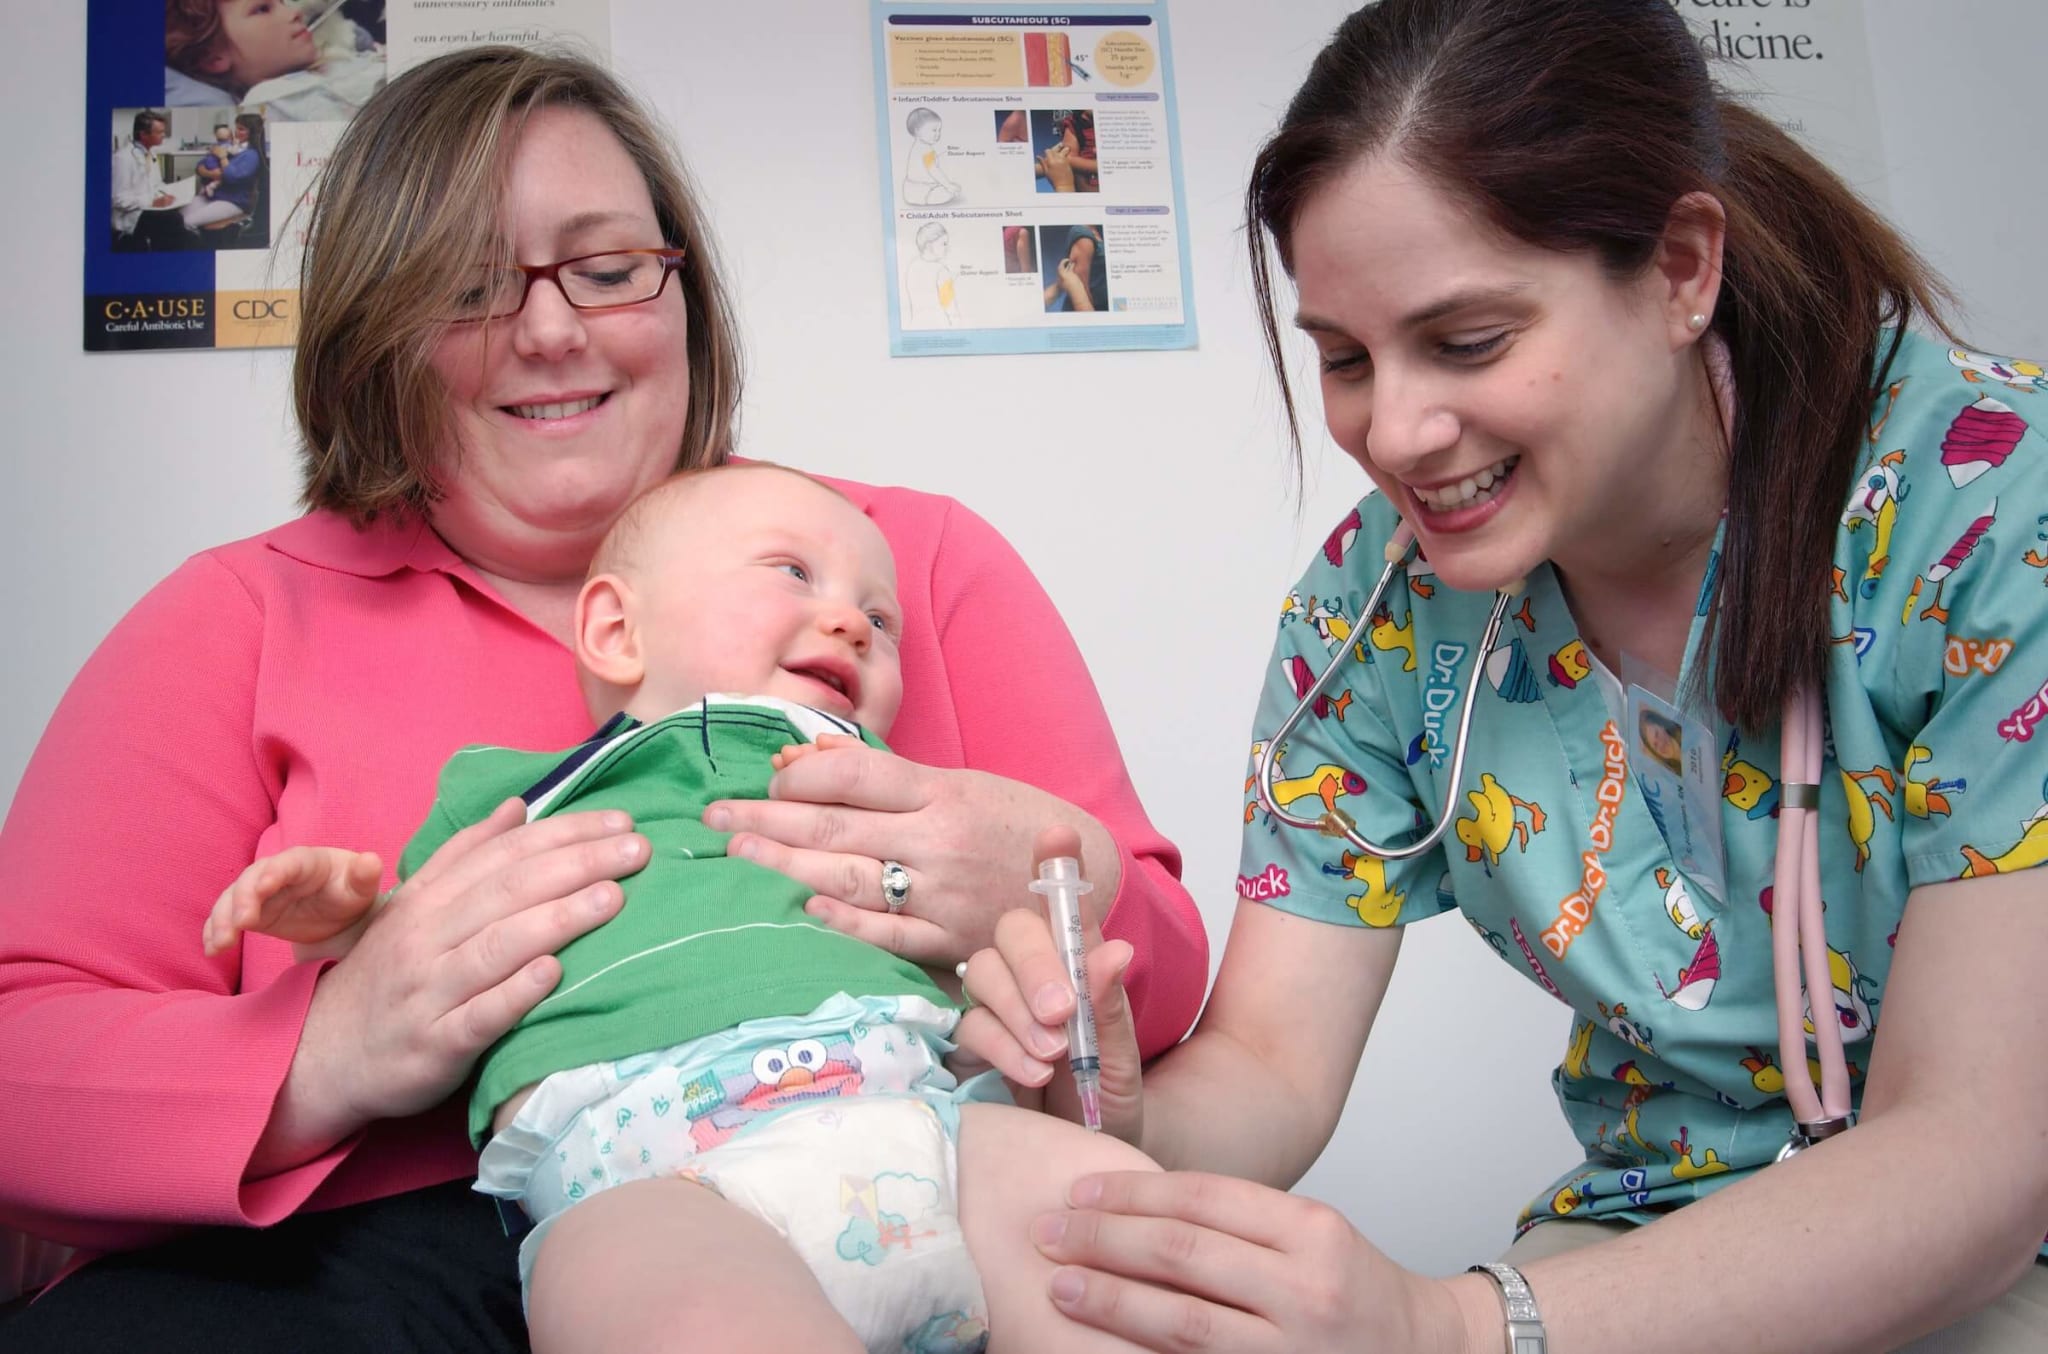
[
  {"x": 208, "y": 170},
  {"x": 925, "y": 181},
  {"x": 742, "y": 1115}
]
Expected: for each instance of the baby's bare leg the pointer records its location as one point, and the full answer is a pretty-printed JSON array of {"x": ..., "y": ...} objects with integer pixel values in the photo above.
[
  {"x": 668, "y": 1265},
  {"x": 1014, "y": 1165}
]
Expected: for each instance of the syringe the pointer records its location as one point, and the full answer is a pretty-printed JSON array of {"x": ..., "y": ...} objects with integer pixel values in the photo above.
[{"x": 1059, "y": 879}]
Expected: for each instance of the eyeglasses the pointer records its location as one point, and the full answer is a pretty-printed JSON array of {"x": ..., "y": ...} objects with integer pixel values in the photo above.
[{"x": 622, "y": 277}]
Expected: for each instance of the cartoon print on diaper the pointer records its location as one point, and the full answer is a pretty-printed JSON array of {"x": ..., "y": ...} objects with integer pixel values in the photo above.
[
  {"x": 1929, "y": 796},
  {"x": 1950, "y": 561},
  {"x": 949, "y": 1333},
  {"x": 2016, "y": 373},
  {"x": 1876, "y": 501},
  {"x": 1569, "y": 665},
  {"x": 2029, "y": 851},
  {"x": 746, "y": 1085},
  {"x": 891, "y": 1211},
  {"x": 1379, "y": 904},
  {"x": 1495, "y": 822},
  {"x": 1862, "y": 817},
  {"x": 1851, "y": 993}
]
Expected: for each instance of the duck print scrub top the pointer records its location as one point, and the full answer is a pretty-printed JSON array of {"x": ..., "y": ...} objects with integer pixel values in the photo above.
[{"x": 1936, "y": 753}]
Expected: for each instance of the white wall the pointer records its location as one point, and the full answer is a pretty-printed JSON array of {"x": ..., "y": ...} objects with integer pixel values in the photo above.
[{"x": 1148, "y": 489}]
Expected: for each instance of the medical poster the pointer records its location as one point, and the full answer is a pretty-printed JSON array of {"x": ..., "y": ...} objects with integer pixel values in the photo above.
[
  {"x": 1030, "y": 178},
  {"x": 207, "y": 123},
  {"x": 1806, "y": 65}
]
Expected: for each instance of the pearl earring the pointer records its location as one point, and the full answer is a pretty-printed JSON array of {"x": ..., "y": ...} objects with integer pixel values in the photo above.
[{"x": 1695, "y": 322}]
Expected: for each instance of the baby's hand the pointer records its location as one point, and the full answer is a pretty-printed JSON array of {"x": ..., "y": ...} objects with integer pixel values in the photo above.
[
  {"x": 795, "y": 752},
  {"x": 304, "y": 894}
]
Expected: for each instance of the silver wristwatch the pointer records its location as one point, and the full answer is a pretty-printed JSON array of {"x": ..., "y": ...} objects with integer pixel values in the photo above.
[{"x": 1525, "y": 1323}]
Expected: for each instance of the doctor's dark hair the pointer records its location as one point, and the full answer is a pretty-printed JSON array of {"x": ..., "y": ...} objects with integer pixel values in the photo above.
[
  {"x": 405, "y": 210},
  {"x": 1577, "y": 125}
]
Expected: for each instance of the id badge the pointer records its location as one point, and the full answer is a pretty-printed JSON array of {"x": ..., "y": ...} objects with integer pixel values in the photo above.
[{"x": 1677, "y": 763}]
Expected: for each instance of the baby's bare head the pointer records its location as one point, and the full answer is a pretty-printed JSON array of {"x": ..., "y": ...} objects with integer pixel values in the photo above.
[{"x": 742, "y": 579}]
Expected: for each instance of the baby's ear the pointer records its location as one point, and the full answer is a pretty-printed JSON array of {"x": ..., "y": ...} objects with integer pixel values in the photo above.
[{"x": 607, "y": 642}]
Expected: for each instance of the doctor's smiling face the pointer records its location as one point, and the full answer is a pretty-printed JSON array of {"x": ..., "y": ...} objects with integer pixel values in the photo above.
[
  {"x": 561, "y": 416},
  {"x": 1517, "y": 404}
]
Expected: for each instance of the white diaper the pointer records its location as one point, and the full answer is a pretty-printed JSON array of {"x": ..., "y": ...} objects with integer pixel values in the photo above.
[
  {"x": 865, "y": 1191},
  {"x": 836, "y": 1128}
]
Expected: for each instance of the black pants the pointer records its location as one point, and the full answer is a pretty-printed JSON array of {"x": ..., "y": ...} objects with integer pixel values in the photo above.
[{"x": 431, "y": 1272}]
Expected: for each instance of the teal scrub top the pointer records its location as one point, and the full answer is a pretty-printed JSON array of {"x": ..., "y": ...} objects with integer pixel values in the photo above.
[{"x": 1934, "y": 770}]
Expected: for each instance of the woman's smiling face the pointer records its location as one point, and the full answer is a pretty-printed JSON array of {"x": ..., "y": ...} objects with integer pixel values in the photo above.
[
  {"x": 1512, "y": 401},
  {"x": 561, "y": 416}
]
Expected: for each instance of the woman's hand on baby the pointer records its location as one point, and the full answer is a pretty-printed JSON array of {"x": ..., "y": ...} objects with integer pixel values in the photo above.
[
  {"x": 1021, "y": 1001},
  {"x": 841, "y": 808},
  {"x": 458, "y": 954},
  {"x": 1154, "y": 1256},
  {"x": 304, "y": 894}
]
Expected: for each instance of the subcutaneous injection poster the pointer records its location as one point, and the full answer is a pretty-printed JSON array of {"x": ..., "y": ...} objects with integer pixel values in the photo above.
[
  {"x": 1806, "y": 65},
  {"x": 1031, "y": 180},
  {"x": 206, "y": 126}
]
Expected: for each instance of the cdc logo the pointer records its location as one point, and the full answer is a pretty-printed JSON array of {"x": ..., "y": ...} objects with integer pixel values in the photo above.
[{"x": 260, "y": 310}]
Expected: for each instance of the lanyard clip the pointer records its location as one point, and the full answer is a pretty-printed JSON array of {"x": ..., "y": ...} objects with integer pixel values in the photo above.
[{"x": 1806, "y": 1135}]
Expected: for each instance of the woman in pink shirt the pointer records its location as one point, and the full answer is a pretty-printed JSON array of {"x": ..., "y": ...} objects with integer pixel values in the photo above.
[{"x": 488, "y": 370}]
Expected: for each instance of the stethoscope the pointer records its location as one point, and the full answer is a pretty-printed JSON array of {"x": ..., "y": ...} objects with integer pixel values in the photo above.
[{"x": 1799, "y": 947}]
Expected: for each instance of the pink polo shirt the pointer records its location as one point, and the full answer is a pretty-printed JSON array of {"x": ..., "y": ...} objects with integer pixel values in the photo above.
[{"x": 304, "y": 686}]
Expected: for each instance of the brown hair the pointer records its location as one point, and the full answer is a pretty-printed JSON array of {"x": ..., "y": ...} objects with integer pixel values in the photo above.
[
  {"x": 405, "y": 210},
  {"x": 191, "y": 30},
  {"x": 1577, "y": 125}
]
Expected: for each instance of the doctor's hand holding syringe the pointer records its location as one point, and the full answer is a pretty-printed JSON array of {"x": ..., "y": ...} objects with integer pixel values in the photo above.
[{"x": 1078, "y": 1056}]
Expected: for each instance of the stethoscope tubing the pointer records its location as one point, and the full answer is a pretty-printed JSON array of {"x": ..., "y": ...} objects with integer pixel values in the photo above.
[{"x": 1335, "y": 822}]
